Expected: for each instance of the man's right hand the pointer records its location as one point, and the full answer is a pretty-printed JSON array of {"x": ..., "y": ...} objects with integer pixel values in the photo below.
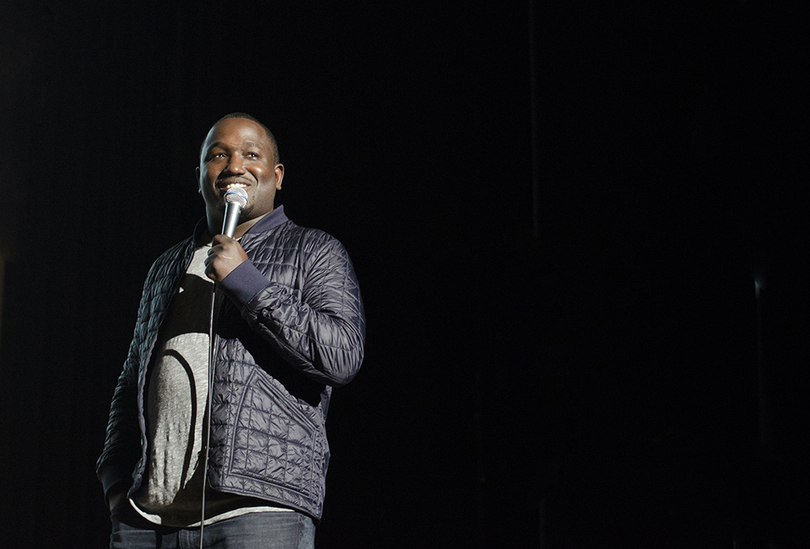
[{"x": 118, "y": 496}]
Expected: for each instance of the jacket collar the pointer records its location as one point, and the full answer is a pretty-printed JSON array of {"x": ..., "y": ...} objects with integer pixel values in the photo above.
[{"x": 268, "y": 222}]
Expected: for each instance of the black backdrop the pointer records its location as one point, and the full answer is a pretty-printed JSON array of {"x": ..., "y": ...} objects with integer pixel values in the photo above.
[{"x": 562, "y": 347}]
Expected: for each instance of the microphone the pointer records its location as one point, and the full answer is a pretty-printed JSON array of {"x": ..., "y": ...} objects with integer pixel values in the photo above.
[{"x": 235, "y": 199}]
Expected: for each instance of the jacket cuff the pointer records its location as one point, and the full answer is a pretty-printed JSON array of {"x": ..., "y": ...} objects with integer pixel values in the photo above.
[
  {"x": 243, "y": 283},
  {"x": 112, "y": 476}
]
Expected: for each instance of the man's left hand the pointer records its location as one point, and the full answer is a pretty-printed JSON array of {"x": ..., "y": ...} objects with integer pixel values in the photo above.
[{"x": 225, "y": 255}]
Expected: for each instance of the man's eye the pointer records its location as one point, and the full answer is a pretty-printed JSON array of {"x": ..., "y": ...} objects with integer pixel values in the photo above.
[{"x": 252, "y": 155}]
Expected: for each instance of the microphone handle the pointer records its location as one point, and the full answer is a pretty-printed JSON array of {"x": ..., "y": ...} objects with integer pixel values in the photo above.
[{"x": 231, "y": 219}]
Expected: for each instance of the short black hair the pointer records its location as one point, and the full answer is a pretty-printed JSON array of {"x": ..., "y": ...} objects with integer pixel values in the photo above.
[{"x": 246, "y": 116}]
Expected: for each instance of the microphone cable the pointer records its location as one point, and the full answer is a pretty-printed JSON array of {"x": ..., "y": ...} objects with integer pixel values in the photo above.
[
  {"x": 235, "y": 199},
  {"x": 212, "y": 346}
]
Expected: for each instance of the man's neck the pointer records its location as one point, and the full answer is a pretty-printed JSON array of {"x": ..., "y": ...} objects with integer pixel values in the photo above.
[
  {"x": 243, "y": 227},
  {"x": 240, "y": 229}
]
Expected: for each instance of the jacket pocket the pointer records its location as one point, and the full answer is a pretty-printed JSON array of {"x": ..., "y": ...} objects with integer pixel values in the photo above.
[{"x": 279, "y": 440}]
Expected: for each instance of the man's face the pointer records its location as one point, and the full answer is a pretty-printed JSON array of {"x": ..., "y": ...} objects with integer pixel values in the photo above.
[{"x": 237, "y": 152}]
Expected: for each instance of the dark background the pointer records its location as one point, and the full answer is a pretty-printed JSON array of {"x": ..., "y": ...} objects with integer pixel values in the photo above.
[{"x": 557, "y": 221}]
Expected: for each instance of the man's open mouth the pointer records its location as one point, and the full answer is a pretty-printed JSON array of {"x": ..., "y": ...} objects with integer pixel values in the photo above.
[{"x": 231, "y": 185}]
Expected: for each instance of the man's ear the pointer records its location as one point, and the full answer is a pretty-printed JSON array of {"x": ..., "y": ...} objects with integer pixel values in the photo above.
[
  {"x": 197, "y": 171},
  {"x": 279, "y": 171}
]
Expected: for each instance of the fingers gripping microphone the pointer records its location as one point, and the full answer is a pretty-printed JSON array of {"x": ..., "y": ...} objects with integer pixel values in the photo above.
[{"x": 235, "y": 199}]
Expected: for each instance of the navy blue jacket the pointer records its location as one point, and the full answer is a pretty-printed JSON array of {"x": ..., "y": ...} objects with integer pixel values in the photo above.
[{"x": 292, "y": 328}]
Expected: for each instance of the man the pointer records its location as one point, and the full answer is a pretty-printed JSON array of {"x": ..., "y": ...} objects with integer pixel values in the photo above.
[{"x": 289, "y": 326}]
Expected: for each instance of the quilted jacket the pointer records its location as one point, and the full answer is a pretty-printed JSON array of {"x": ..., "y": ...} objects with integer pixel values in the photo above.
[{"x": 292, "y": 328}]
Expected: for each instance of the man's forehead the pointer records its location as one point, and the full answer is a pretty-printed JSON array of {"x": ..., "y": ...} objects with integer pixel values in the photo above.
[
  {"x": 236, "y": 128},
  {"x": 229, "y": 143}
]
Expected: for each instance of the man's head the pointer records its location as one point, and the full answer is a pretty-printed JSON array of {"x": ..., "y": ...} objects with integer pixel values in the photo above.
[
  {"x": 246, "y": 116},
  {"x": 239, "y": 150}
]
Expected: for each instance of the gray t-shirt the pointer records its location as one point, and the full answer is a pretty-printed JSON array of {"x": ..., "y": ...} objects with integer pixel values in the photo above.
[{"x": 176, "y": 403}]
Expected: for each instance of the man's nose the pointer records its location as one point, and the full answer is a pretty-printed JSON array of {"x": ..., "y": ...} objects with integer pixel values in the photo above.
[{"x": 235, "y": 164}]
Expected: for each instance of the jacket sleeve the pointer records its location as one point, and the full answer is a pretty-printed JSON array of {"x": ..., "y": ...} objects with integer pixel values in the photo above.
[
  {"x": 122, "y": 445},
  {"x": 319, "y": 328}
]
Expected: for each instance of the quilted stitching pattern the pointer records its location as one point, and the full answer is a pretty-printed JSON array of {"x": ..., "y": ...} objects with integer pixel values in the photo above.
[{"x": 268, "y": 433}]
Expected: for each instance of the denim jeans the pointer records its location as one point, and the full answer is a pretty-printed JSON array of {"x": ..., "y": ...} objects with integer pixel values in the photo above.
[{"x": 267, "y": 530}]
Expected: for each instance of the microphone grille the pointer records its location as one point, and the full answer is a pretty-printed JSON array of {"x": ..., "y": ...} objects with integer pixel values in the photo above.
[{"x": 236, "y": 195}]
